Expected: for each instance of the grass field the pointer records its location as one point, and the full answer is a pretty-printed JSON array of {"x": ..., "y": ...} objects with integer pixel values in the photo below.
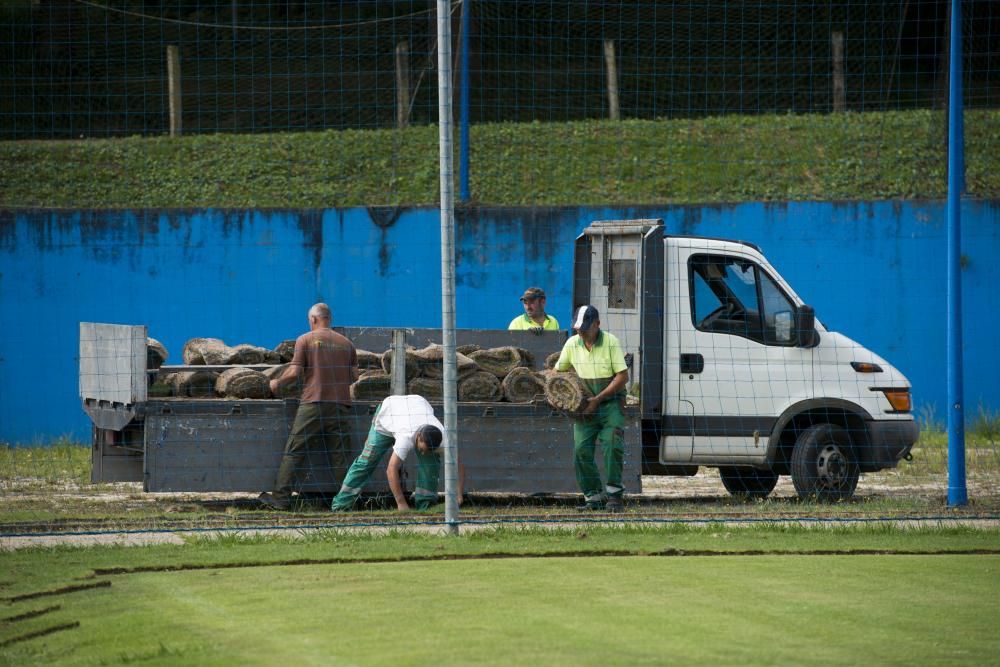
[
  {"x": 720, "y": 159},
  {"x": 593, "y": 596}
]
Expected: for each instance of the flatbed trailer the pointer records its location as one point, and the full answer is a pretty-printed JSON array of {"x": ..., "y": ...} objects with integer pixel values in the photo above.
[{"x": 235, "y": 445}]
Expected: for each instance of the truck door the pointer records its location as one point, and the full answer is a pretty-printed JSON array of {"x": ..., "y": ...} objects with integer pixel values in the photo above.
[{"x": 738, "y": 362}]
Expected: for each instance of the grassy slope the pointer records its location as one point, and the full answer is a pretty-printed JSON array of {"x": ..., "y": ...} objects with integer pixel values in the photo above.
[
  {"x": 722, "y": 159},
  {"x": 633, "y": 610}
]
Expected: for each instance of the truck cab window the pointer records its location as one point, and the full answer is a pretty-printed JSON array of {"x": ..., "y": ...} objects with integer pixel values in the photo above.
[
  {"x": 779, "y": 312},
  {"x": 724, "y": 296}
]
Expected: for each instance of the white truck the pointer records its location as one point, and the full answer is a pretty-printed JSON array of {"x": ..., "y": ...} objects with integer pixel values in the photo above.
[{"x": 733, "y": 369}]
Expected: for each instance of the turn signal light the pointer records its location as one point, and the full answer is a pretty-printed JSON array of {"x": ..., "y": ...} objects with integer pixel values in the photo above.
[
  {"x": 866, "y": 367},
  {"x": 899, "y": 399}
]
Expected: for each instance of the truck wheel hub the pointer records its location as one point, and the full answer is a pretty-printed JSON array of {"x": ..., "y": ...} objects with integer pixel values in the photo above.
[{"x": 831, "y": 466}]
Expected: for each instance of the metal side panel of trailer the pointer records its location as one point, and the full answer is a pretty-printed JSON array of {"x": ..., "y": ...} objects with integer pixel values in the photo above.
[
  {"x": 225, "y": 445},
  {"x": 216, "y": 445}
]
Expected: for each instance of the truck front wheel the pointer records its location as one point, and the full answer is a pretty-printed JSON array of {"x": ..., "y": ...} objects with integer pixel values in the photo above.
[
  {"x": 747, "y": 482},
  {"x": 823, "y": 464}
]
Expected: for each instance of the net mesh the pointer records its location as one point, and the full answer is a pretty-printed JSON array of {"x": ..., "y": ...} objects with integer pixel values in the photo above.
[
  {"x": 579, "y": 111},
  {"x": 95, "y": 69}
]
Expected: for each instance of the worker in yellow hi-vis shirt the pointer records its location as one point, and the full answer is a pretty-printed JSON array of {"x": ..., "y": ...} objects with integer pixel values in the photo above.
[
  {"x": 534, "y": 318},
  {"x": 597, "y": 358}
]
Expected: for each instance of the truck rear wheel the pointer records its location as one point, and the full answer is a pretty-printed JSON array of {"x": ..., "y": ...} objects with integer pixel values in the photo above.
[
  {"x": 747, "y": 482},
  {"x": 823, "y": 464}
]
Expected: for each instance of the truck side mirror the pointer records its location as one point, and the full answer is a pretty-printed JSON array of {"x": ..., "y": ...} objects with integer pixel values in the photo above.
[{"x": 805, "y": 326}]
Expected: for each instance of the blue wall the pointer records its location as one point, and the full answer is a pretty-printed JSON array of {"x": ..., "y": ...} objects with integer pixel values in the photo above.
[{"x": 875, "y": 271}]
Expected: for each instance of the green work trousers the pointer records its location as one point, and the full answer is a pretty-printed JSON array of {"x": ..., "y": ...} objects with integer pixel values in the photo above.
[
  {"x": 376, "y": 446},
  {"x": 323, "y": 427},
  {"x": 606, "y": 425}
]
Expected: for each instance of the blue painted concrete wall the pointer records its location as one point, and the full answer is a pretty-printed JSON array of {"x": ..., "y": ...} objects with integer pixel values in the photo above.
[{"x": 874, "y": 271}]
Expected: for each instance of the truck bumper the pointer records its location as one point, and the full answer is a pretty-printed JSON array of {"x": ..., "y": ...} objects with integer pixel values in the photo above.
[{"x": 889, "y": 441}]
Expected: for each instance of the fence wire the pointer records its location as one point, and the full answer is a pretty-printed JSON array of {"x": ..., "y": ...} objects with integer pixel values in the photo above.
[{"x": 693, "y": 113}]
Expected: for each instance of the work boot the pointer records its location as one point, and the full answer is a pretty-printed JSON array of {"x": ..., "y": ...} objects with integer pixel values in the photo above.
[
  {"x": 269, "y": 501},
  {"x": 615, "y": 505},
  {"x": 595, "y": 505}
]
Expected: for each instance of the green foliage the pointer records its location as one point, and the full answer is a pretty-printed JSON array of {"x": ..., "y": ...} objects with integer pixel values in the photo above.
[
  {"x": 63, "y": 462},
  {"x": 709, "y": 160},
  {"x": 986, "y": 425}
]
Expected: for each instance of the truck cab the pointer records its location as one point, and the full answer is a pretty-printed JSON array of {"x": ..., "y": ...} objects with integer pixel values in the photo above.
[{"x": 732, "y": 368}]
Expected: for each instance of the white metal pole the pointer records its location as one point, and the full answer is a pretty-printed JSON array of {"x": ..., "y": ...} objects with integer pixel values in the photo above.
[{"x": 447, "y": 263}]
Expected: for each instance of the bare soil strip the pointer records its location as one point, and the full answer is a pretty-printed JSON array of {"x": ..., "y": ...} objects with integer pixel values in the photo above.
[
  {"x": 57, "y": 591},
  {"x": 618, "y": 553},
  {"x": 29, "y": 614},
  {"x": 40, "y": 633}
]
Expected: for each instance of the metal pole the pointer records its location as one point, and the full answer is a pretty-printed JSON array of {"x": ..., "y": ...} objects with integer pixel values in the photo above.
[
  {"x": 447, "y": 263},
  {"x": 463, "y": 108},
  {"x": 398, "y": 377},
  {"x": 957, "y": 493}
]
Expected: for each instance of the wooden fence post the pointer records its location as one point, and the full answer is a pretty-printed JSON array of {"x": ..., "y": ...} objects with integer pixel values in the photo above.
[
  {"x": 839, "y": 96},
  {"x": 402, "y": 84},
  {"x": 174, "y": 89},
  {"x": 609, "y": 61}
]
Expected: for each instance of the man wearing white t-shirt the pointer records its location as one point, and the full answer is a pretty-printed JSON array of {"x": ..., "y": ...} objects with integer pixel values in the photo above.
[{"x": 402, "y": 424}]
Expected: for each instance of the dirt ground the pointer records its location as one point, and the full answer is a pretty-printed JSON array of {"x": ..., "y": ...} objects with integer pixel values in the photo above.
[{"x": 122, "y": 514}]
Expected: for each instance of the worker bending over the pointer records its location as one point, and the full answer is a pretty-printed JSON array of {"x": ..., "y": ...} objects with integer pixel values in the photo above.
[{"x": 401, "y": 424}]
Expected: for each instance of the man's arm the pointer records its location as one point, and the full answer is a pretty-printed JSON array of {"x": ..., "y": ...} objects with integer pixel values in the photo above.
[
  {"x": 355, "y": 371},
  {"x": 291, "y": 374},
  {"x": 617, "y": 383},
  {"x": 392, "y": 472},
  {"x": 563, "y": 364}
]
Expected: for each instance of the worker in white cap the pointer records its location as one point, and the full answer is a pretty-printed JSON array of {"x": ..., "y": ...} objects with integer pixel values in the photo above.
[{"x": 598, "y": 360}]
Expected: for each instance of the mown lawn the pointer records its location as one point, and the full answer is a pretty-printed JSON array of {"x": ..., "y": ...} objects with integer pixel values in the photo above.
[{"x": 592, "y": 596}]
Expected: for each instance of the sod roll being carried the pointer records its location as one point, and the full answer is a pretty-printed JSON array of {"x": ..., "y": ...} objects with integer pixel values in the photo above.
[
  {"x": 522, "y": 385},
  {"x": 242, "y": 383},
  {"x": 501, "y": 360},
  {"x": 566, "y": 391},
  {"x": 206, "y": 351},
  {"x": 550, "y": 361},
  {"x": 373, "y": 385},
  {"x": 480, "y": 386}
]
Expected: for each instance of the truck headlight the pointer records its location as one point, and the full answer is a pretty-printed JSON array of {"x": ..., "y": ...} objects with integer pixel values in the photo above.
[{"x": 899, "y": 399}]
